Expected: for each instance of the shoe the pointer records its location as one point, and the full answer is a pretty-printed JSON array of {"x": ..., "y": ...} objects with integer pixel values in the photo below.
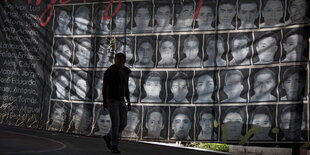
[
  {"x": 107, "y": 141},
  {"x": 114, "y": 149}
]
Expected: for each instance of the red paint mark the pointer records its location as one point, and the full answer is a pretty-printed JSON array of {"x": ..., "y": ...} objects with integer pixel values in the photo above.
[
  {"x": 64, "y": 2},
  {"x": 38, "y": 2},
  {"x": 119, "y": 6},
  {"x": 198, "y": 9}
]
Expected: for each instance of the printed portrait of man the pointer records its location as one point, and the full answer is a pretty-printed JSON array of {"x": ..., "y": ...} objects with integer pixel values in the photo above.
[
  {"x": 167, "y": 49},
  {"x": 294, "y": 46},
  {"x": 233, "y": 120},
  {"x": 81, "y": 119},
  {"x": 152, "y": 87},
  {"x": 163, "y": 16},
  {"x": 272, "y": 13},
  {"x": 240, "y": 50},
  {"x": 297, "y": 10},
  {"x": 101, "y": 26},
  {"x": 155, "y": 123},
  {"x": 121, "y": 20},
  {"x": 184, "y": 15},
  {"x": 181, "y": 123},
  {"x": 104, "y": 53},
  {"x": 133, "y": 86},
  {"x": 205, "y": 87},
  {"x": 293, "y": 83},
  {"x": 214, "y": 51},
  {"x": 207, "y": 119},
  {"x": 248, "y": 13},
  {"x": 261, "y": 119},
  {"x": 125, "y": 46},
  {"x": 80, "y": 87},
  {"x": 133, "y": 120},
  {"x": 234, "y": 86},
  {"x": 58, "y": 117},
  {"x": 191, "y": 50},
  {"x": 264, "y": 85},
  {"x": 83, "y": 53},
  {"x": 143, "y": 18},
  {"x": 206, "y": 17},
  {"x": 81, "y": 20},
  {"x": 145, "y": 52},
  {"x": 61, "y": 81},
  {"x": 179, "y": 87},
  {"x": 63, "y": 22},
  {"x": 226, "y": 14},
  {"x": 63, "y": 52},
  {"x": 103, "y": 122},
  {"x": 266, "y": 46},
  {"x": 98, "y": 85}
]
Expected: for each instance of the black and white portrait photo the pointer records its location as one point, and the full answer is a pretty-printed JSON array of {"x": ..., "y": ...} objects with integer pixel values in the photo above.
[
  {"x": 103, "y": 122},
  {"x": 233, "y": 119},
  {"x": 134, "y": 119},
  {"x": 205, "y": 87},
  {"x": 63, "y": 52},
  {"x": 134, "y": 86},
  {"x": 293, "y": 81},
  {"x": 81, "y": 118},
  {"x": 167, "y": 51},
  {"x": 267, "y": 48},
  {"x": 294, "y": 45},
  {"x": 61, "y": 81},
  {"x": 104, "y": 53},
  {"x": 83, "y": 52},
  {"x": 82, "y": 19},
  {"x": 163, "y": 17},
  {"x": 272, "y": 13},
  {"x": 206, "y": 17},
  {"x": 248, "y": 13},
  {"x": 101, "y": 24},
  {"x": 145, "y": 52},
  {"x": 206, "y": 123},
  {"x": 234, "y": 86},
  {"x": 153, "y": 87},
  {"x": 190, "y": 51},
  {"x": 126, "y": 46},
  {"x": 81, "y": 85},
  {"x": 297, "y": 11},
  {"x": 240, "y": 49},
  {"x": 215, "y": 50},
  {"x": 63, "y": 24},
  {"x": 121, "y": 20},
  {"x": 180, "y": 88},
  {"x": 182, "y": 121},
  {"x": 226, "y": 14},
  {"x": 261, "y": 121},
  {"x": 264, "y": 82},
  {"x": 98, "y": 86},
  {"x": 155, "y": 123},
  {"x": 59, "y": 116},
  {"x": 184, "y": 16},
  {"x": 143, "y": 17}
]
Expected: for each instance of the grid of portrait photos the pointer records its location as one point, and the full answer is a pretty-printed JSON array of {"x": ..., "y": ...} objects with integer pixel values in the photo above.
[{"x": 240, "y": 69}]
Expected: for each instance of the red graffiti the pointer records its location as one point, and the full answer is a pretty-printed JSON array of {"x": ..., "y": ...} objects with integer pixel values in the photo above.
[
  {"x": 119, "y": 6},
  {"x": 38, "y": 2},
  {"x": 198, "y": 9}
]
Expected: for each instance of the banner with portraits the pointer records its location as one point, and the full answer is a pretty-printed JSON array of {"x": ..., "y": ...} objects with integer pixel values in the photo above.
[{"x": 214, "y": 70}]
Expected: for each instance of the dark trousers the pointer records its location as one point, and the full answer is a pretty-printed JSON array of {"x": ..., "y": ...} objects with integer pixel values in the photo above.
[{"x": 118, "y": 114}]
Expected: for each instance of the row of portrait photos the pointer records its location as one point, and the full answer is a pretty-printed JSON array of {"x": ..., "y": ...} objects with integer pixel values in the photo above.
[
  {"x": 185, "y": 51},
  {"x": 178, "y": 16},
  {"x": 285, "y": 122},
  {"x": 266, "y": 84}
]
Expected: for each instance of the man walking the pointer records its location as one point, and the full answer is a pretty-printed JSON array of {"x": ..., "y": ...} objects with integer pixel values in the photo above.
[{"x": 115, "y": 88}]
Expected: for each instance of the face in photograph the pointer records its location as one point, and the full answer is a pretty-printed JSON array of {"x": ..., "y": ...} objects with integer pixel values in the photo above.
[
  {"x": 63, "y": 53},
  {"x": 61, "y": 82},
  {"x": 206, "y": 123},
  {"x": 290, "y": 125},
  {"x": 163, "y": 17},
  {"x": 215, "y": 48},
  {"x": 205, "y": 18},
  {"x": 273, "y": 13},
  {"x": 181, "y": 126},
  {"x": 266, "y": 48},
  {"x": 142, "y": 20},
  {"x": 77, "y": 118},
  {"x": 297, "y": 10},
  {"x": 145, "y": 54},
  {"x": 205, "y": 88},
  {"x": 82, "y": 16},
  {"x": 226, "y": 13},
  {"x": 132, "y": 121},
  {"x": 179, "y": 89},
  {"x": 152, "y": 87},
  {"x": 263, "y": 122},
  {"x": 264, "y": 84},
  {"x": 81, "y": 88},
  {"x": 101, "y": 25},
  {"x": 63, "y": 21},
  {"x": 248, "y": 13},
  {"x": 104, "y": 55},
  {"x": 83, "y": 53},
  {"x": 233, "y": 86},
  {"x": 184, "y": 19},
  {"x": 167, "y": 50},
  {"x": 293, "y": 46},
  {"x": 58, "y": 116},
  {"x": 104, "y": 123},
  {"x": 154, "y": 125},
  {"x": 191, "y": 49},
  {"x": 293, "y": 84},
  {"x": 121, "y": 20},
  {"x": 240, "y": 49},
  {"x": 234, "y": 123},
  {"x": 131, "y": 85}
]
